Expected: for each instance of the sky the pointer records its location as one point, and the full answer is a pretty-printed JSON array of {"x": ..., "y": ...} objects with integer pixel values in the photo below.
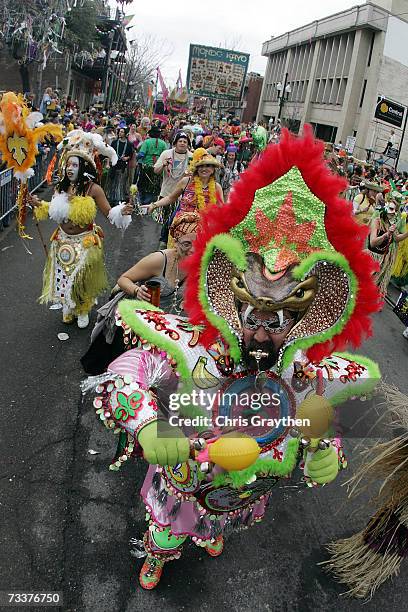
[{"x": 239, "y": 24}]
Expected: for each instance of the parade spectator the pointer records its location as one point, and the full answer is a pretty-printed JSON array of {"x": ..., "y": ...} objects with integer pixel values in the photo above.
[
  {"x": 230, "y": 170},
  {"x": 149, "y": 152},
  {"x": 118, "y": 188},
  {"x": 390, "y": 143},
  {"x": 46, "y": 99}
]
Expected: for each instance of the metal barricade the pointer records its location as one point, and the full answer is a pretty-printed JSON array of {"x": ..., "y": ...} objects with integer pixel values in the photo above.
[{"x": 9, "y": 185}]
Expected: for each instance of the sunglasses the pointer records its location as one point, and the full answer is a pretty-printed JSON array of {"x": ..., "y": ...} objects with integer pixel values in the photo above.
[
  {"x": 269, "y": 325},
  {"x": 205, "y": 166}
]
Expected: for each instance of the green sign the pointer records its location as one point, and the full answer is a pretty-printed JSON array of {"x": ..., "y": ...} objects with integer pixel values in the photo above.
[{"x": 216, "y": 73}]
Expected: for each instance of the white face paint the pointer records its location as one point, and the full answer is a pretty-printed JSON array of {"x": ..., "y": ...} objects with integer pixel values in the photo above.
[{"x": 72, "y": 169}]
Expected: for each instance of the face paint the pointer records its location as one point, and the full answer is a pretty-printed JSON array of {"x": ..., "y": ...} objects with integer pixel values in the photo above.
[{"x": 72, "y": 169}]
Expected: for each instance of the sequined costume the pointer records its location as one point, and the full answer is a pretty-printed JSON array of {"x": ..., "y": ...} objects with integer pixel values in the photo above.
[
  {"x": 278, "y": 248},
  {"x": 74, "y": 274}
]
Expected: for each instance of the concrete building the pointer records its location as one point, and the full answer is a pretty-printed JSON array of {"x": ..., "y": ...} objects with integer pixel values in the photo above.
[
  {"x": 339, "y": 72},
  {"x": 250, "y": 97}
]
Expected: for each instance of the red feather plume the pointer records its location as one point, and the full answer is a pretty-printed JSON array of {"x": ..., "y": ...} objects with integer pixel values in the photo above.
[{"x": 344, "y": 233}]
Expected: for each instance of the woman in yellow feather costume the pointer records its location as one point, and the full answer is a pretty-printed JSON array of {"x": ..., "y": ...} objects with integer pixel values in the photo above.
[{"x": 74, "y": 273}]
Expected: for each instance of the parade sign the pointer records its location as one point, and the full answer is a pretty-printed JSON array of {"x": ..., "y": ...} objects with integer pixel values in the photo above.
[
  {"x": 350, "y": 144},
  {"x": 216, "y": 73},
  {"x": 389, "y": 111}
]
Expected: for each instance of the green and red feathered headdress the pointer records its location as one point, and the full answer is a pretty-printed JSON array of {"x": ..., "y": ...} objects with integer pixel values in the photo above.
[{"x": 286, "y": 209}]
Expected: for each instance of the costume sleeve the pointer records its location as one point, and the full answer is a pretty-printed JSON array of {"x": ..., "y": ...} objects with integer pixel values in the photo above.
[{"x": 125, "y": 399}]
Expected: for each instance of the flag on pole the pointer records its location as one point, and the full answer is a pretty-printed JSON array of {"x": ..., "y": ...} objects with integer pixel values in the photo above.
[
  {"x": 163, "y": 87},
  {"x": 149, "y": 92},
  {"x": 126, "y": 20},
  {"x": 179, "y": 84}
]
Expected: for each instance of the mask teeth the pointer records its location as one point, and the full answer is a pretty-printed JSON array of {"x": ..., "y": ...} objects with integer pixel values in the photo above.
[
  {"x": 280, "y": 315},
  {"x": 247, "y": 313}
]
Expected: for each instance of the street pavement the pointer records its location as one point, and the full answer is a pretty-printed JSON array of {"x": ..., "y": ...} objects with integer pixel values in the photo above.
[{"x": 65, "y": 519}]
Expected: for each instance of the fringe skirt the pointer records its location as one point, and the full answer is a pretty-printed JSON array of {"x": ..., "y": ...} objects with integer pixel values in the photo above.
[{"x": 74, "y": 274}]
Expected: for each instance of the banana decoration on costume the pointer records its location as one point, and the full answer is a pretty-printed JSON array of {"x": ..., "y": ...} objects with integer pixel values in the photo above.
[{"x": 201, "y": 376}]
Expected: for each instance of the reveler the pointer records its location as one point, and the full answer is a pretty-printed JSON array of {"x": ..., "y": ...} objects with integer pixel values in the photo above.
[
  {"x": 74, "y": 273},
  {"x": 277, "y": 283},
  {"x": 197, "y": 191},
  {"x": 148, "y": 154},
  {"x": 172, "y": 165}
]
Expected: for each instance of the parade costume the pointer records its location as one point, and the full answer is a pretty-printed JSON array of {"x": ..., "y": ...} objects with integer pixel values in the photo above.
[
  {"x": 386, "y": 255},
  {"x": 74, "y": 274},
  {"x": 286, "y": 247},
  {"x": 21, "y": 131},
  {"x": 400, "y": 269}
]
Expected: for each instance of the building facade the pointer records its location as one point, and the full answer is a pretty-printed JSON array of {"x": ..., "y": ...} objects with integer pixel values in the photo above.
[
  {"x": 337, "y": 72},
  {"x": 251, "y": 95}
]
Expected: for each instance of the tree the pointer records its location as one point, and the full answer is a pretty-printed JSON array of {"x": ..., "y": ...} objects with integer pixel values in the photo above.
[
  {"x": 145, "y": 55},
  {"x": 81, "y": 33},
  {"x": 35, "y": 31}
]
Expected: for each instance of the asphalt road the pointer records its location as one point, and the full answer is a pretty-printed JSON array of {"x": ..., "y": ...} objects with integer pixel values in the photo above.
[{"x": 65, "y": 519}]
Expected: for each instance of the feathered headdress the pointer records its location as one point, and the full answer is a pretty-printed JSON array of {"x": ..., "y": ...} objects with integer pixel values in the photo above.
[
  {"x": 285, "y": 209},
  {"x": 87, "y": 146}
]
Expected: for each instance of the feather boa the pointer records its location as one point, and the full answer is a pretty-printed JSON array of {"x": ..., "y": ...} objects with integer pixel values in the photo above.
[{"x": 116, "y": 218}]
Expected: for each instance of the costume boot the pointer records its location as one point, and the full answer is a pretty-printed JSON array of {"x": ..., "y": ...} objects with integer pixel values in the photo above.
[
  {"x": 214, "y": 549},
  {"x": 151, "y": 572}
]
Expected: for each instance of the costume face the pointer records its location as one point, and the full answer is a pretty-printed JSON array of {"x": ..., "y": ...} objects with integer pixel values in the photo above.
[
  {"x": 271, "y": 306},
  {"x": 72, "y": 169}
]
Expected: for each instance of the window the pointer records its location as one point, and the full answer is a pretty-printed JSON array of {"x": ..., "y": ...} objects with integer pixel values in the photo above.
[
  {"x": 370, "y": 53},
  {"x": 363, "y": 92}
]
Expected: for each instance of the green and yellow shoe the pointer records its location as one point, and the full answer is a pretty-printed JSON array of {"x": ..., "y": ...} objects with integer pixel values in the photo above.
[
  {"x": 150, "y": 573},
  {"x": 214, "y": 549}
]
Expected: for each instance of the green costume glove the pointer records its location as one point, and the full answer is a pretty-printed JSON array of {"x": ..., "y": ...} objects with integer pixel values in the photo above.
[
  {"x": 323, "y": 466},
  {"x": 166, "y": 446}
]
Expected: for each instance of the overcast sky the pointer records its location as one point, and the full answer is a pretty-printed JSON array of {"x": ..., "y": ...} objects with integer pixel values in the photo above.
[{"x": 245, "y": 24}]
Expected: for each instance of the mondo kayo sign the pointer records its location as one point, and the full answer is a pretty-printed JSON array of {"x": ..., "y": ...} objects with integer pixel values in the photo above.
[
  {"x": 216, "y": 73},
  {"x": 390, "y": 112}
]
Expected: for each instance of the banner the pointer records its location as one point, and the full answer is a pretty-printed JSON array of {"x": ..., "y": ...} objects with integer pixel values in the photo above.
[
  {"x": 163, "y": 87},
  {"x": 390, "y": 112},
  {"x": 216, "y": 73}
]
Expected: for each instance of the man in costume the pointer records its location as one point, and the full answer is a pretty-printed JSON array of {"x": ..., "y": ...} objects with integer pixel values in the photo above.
[
  {"x": 277, "y": 284},
  {"x": 74, "y": 273}
]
